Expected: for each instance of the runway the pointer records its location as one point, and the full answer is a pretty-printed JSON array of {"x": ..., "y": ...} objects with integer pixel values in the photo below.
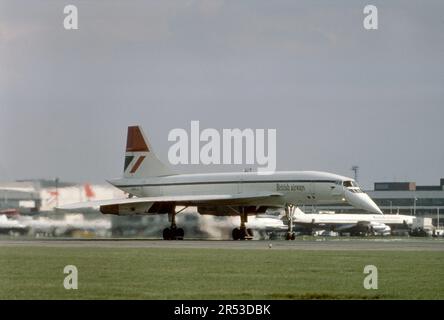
[{"x": 417, "y": 244}]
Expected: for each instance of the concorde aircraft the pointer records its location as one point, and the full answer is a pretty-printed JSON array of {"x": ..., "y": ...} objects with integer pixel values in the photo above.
[{"x": 156, "y": 189}]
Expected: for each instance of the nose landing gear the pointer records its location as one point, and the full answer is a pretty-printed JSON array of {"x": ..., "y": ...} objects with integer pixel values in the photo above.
[{"x": 289, "y": 212}]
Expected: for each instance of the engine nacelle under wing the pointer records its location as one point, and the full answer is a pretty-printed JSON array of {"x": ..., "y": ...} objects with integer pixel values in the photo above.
[
  {"x": 126, "y": 209},
  {"x": 147, "y": 208}
]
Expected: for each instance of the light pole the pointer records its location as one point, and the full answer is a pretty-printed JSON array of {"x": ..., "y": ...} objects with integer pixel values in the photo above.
[
  {"x": 437, "y": 223},
  {"x": 355, "y": 170},
  {"x": 391, "y": 206}
]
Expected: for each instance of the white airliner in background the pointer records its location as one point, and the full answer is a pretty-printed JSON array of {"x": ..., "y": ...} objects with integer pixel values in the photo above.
[
  {"x": 156, "y": 189},
  {"x": 355, "y": 224}
]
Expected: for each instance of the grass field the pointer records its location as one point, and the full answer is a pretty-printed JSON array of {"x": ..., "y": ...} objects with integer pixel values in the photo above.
[{"x": 154, "y": 273}]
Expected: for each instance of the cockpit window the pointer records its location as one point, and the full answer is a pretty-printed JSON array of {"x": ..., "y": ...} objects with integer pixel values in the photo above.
[
  {"x": 348, "y": 184},
  {"x": 352, "y": 186}
]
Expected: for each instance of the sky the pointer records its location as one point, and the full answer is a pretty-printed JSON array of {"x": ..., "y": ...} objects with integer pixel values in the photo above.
[{"x": 337, "y": 94}]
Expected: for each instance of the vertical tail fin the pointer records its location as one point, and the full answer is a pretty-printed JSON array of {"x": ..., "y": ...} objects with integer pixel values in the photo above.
[
  {"x": 89, "y": 192},
  {"x": 140, "y": 160},
  {"x": 298, "y": 211}
]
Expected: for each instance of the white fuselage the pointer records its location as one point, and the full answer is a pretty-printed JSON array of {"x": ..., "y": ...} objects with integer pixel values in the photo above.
[
  {"x": 347, "y": 218},
  {"x": 295, "y": 187},
  {"x": 379, "y": 224}
]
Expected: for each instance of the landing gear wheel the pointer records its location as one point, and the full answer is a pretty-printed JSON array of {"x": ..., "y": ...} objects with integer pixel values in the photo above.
[
  {"x": 179, "y": 234},
  {"x": 245, "y": 235},
  {"x": 250, "y": 232},
  {"x": 290, "y": 236},
  {"x": 167, "y": 234},
  {"x": 236, "y": 233},
  {"x": 173, "y": 233}
]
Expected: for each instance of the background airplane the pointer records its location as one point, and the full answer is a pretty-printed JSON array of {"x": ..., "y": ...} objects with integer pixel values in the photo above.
[{"x": 355, "y": 224}]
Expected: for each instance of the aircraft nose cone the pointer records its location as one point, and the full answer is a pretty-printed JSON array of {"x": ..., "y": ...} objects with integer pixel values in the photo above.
[{"x": 362, "y": 201}]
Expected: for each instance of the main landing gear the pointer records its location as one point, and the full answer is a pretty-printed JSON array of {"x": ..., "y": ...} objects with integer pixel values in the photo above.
[
  {"x": 242, "y": 233},
  {"x": 289, "y": 212},
  {"x": 173, "y": 232}
]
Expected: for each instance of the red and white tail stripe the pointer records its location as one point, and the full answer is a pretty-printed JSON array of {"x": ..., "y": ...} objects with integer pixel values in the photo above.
[{"x": 140, "y": 161}]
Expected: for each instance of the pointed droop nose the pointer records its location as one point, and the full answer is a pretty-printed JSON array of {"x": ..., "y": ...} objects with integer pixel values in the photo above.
[{"x": 362, "y": 201}]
